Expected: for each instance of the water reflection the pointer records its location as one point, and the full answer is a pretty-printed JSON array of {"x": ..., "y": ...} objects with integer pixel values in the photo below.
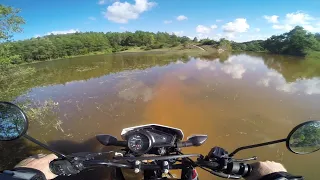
[
  {"x": 307, "y": 86},
  {"x": 235, "y": 70},
  {"x": 132, "y": 90},
  {"x": 235, "y": 99},
  {"x": 238, "y": 65}
]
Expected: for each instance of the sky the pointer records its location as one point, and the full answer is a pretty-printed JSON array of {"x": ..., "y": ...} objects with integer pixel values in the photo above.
[{"x": 237, "y": 20}]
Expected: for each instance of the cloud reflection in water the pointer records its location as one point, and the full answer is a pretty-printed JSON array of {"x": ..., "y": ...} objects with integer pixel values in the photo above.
[
  {"x": 307, "y": 86},
  {"x": 238, "y": 65}
]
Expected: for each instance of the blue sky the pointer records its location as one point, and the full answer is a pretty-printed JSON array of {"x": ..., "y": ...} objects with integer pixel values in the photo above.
[{"x": 238, "y": 20}]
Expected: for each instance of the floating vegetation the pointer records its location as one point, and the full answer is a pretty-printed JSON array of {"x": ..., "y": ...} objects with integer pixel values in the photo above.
[{"x": 44, "y": 114}]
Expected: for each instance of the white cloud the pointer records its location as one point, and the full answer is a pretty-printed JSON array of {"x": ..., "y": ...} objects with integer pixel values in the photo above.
[
  {"x": 37, "y": 35},
  {"x": 214, "y": 26},
  {"x": 178, "y": 33},
  {"x": 102, "y": 2},
  {"x": 298, "y": 18},
  {"x": 203, "y": 29},
  {"x": 182, "y": 17},
  {"x": 219, "y": 20},
  {"x": 123, "y": 12},
  {"x": 229, "y": 36},
  {"x": 257, "y": 29},
  {"x": 312, "y": 28},
  {"x": 217, "y": 37},
  {"x": 231, "y": 29},
  {"x": 92, "y": 18},
  {"x": 63, "y": 32},
  {"x": 167, "y": 22},
  {"x": 239, "y": 25},
  {"x": 285, "y": 27},
  {"x": 272, "y": 19}
]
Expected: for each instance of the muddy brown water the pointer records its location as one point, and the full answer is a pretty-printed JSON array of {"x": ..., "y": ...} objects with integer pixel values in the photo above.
[{"x": 236, "y": 100}]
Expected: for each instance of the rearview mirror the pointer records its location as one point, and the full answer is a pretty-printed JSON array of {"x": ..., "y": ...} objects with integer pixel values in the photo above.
[
  {"x": 13, "y": 122},
  {"x": 197, "y": 140},
  {"x": 304, "y": 138}
]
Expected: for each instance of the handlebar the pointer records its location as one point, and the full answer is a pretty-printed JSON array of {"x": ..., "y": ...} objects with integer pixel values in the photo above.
[
  {"x": 233, "y": 170},
  {"x": 66, "y": 168},
  {"x": 184, "y": 144}
]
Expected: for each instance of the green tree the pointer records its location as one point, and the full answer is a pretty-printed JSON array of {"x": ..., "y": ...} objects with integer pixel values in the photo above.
[
  {"x": 10, "y": 22},
  {"x": 296, "y": 42},
  {"x": 225, "y": 44},
  {"x": 317, "y": 36},
  {"x": 195, "y": 39}
]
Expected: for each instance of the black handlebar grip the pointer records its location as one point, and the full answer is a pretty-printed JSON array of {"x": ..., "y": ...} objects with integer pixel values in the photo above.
[
  {"x": 62, "y": 168},
  {"x": 121, "y": 143},
  {"x": 249, "y": 170},
  {"x": 241, "y": 169}
]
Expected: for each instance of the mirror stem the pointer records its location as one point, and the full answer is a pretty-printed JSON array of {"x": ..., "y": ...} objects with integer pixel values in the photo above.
[
  {"x": 257, "y": 145},
  {"x": 60, "y": 155}
]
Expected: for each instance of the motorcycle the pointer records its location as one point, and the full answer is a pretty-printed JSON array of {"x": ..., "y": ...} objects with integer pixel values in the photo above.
[{"x": 155, "y": 149}]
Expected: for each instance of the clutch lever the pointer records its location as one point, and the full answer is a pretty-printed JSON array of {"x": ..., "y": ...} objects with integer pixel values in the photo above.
[{"x": 88, "y": 155}]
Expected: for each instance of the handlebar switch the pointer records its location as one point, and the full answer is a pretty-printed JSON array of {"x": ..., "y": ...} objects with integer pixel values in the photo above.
[
  {"x": 218, "y": 152},
  {"x": 63, "y": 168},
  {"x": 218, "y": 155}
]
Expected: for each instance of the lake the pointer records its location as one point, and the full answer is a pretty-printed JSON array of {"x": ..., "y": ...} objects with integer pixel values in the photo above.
[{"x": 236, "y": 100}]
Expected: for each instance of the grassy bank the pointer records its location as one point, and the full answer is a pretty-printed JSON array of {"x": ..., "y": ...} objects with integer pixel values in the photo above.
[
  {"x": 313, "y": 56},
  {"x": 68, "y": 57},
  {"x": 173, "y": 50}
]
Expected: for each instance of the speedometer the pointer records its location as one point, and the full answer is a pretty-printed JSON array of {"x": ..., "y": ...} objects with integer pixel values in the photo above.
[{"x": 138, "y": 143}]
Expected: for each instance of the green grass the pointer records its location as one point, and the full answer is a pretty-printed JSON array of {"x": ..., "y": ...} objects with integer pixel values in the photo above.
[
  {"x": 313, "y": 56},
  {"x": 134, "y": 49},
  {"x": 167, "y": 50},
  {"x": 68, "y": 57}
]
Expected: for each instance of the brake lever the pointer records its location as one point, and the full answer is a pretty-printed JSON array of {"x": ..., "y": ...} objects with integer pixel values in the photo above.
[{"x": 244, "y": 160}]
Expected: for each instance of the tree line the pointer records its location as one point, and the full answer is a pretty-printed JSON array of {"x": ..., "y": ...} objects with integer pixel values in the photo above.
[
  {"x": 297, "y": 42},
  {"x": 66, "y": 45}
]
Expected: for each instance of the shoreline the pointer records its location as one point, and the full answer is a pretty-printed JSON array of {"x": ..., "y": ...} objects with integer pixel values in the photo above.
[{"x": 164, "y": 51}]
